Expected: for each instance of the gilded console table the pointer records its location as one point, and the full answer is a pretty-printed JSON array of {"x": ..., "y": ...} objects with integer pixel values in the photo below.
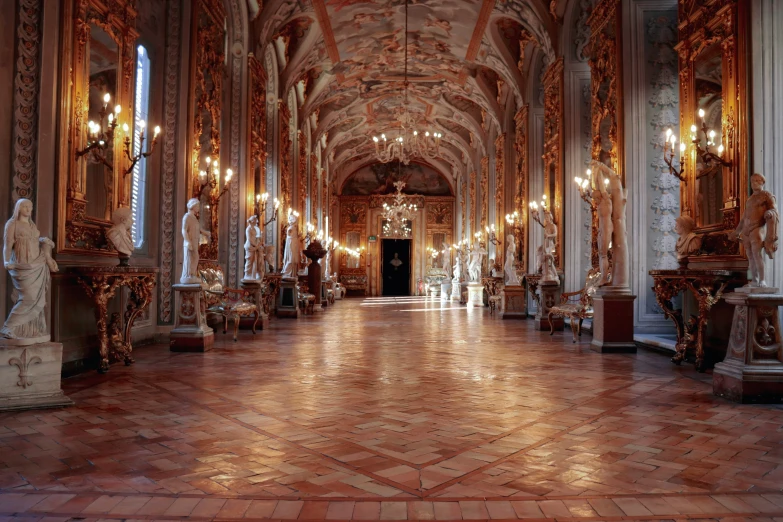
[
  {"x": 101, "y": 283},
  {"x": 707, "y": 287}
]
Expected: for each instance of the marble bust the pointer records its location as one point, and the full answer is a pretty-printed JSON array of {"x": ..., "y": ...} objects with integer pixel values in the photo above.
[
  {"x": 28, "y": 258},
  {"x": 119, "y": 235},
  {"x": 758, "y": 229},
  {"x": 689, "y": 243}
]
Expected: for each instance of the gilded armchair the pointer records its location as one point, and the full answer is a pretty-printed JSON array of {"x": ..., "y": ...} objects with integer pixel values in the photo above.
[
  {"x": 577, "y": 306},
  {"x": 228, "y": 303}
]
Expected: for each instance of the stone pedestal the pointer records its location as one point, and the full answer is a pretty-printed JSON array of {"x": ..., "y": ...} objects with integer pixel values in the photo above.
[
  {"x": 513, "y": 302},
  {"x": 613, "y": 320},
  {"x": 434, "y": 289},
  {"x": 456, "y": 291},
  {"x": 190, "y": 333},
  {"x": 445, "y": 291},
  {"x": 753, "y": 368},
  {"x": 254, "y": 287},
  {"x": 549, "y": 296},
  {"x": 30, "y": 376},
  {"x": 475, "y": 295},
  {"x": 288, "y": 299}
]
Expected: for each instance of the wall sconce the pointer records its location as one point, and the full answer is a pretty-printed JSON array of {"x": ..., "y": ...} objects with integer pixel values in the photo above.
[
  {"x": 535, "y": 212},
  {"x": 668, "y": 155},
  {"x": 491, "y": 236},
  {"x": 211, "y": 178},
  {"x": 101, "y": 134},
  {"x": 260, "y": 208},
  {"x": 135, "y": 158},
  {"x": 706, "y": 155}
]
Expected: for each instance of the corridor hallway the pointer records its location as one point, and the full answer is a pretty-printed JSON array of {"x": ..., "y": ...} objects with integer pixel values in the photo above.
[{"x": 393, "y": 408}]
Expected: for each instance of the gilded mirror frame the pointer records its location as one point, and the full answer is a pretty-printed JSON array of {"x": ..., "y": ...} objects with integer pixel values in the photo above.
[
  {"x": 553, "y": 149},
  {"x": 79, "y": 233},
  {"x": 207, "y": 56},
  {"x": 702, "y": 24}
]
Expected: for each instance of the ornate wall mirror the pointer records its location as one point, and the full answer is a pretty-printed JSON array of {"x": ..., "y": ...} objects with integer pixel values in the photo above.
[
  {"x": 97, "y": 73},
  {"x": 708, "y": 92},
  {"x": 207, "y": 67},
  {"x": 713, "y": 103}
]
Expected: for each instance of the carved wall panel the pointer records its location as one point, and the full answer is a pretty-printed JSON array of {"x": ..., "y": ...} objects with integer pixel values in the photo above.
[
  {"x": 285, "y": 154},
  {"x": 98, "y": 61},
  {"x": 207, "y": 71},
  {"x": 553, "y": 148},
  {"x": 473, "y": 204},
  {"x": 500, "y": 192},
  {"x": 302, "y": 173},
  {"x": 464, "y": 205},
  {"x": 484, "y": 192},
  {"x": 712, "y": 50},
  {"x": 257, "y": 130},
  {"x": 521, "y": 179}
]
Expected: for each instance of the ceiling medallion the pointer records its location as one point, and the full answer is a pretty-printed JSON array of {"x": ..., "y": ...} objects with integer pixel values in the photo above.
[
  {"x": 409, "y": 142},
  {"x": 398, "y": 216}
]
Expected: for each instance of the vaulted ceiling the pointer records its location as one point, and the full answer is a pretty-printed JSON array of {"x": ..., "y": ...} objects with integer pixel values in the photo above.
[{"x": 468, "y": 60}]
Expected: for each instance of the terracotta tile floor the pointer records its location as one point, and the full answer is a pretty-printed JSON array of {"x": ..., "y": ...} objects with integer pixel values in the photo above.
[{"x": 394, "y": 409}]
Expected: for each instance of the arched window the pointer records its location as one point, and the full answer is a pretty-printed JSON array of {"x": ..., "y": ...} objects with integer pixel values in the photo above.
[{"x": 141, "y": 114}]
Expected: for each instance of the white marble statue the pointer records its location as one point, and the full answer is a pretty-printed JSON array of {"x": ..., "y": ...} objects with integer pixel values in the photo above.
[
  {"x": 458, "y": 269},
  {"x": 477, "y": 254},
  {"x": 327, "y": 265},
  {"x": 292, "y": 255},
  {"x": 28, "y": 258},
  {"x": 255, "y": 264},
  {"x": 758, "y": 229},
  {"x": 620, "y": 255},
  {"x": 547, "y": 255},
  {"x": 604, "y": 210},
  {"x": 192, "y": 235},
  {"x": 510, "y": 265},
  {"x": 689, "y": 243},
  {"x": 119, "y": 235},
  {"x": 446, "y": 258}
]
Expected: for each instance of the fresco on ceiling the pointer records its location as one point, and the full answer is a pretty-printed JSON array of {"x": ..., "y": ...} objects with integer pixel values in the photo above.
[{"x": 379, "y": 179}]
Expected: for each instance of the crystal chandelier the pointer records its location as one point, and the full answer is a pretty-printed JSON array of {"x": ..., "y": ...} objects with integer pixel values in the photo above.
[
  {"x": 409, "y": 142},
  {"x": 397, "y": 217}
]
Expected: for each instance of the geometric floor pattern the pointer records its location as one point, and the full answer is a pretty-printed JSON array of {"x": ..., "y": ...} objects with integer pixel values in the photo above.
[{"x": 394, "y": 409}]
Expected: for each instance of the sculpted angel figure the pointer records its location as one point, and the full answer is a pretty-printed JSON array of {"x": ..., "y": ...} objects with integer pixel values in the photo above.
[
  {"x": 758, "y": 229},
  {"x": 28, "y": 258}
]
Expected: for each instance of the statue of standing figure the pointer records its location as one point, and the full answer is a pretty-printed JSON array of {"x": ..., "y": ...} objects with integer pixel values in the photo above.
[
  {"x": 458, "y": 269},
  {"x": 758, "y": 229},
  {"x": 446, "y": 258},
  {"x": 255, "y": 265},
  {"x": 28, "y": 258},
  {"x": 192, "y": 235},
  {"x": 603, "y": 205},
  {"x": 618, "y": 235},
  {"x": 477, "y": 254},
  {"x": 292, "y": 255},
  {"x": 510, "y": 265}
]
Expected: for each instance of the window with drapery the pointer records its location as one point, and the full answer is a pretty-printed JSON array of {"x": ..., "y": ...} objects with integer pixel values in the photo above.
[{"x": 141, "y": 113}]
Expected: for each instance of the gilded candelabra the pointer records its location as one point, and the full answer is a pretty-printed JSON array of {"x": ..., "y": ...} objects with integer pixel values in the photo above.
[
  {"x": 491, "y": 235},
  {"x": 101, "y": 135},
  {"x": 668, "y": 155},
  {"x": 259, "y": 208},
  {"x": 134, "y": 158},
  {"x": 706, "y": 155},
  {"x": 535, "y": 213},
  {"x": 211, "y": 178}
]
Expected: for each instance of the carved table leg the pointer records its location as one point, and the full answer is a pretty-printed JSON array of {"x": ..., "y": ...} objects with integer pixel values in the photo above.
[
  {"x": 665, "y": 290},
  {"x": 101, "y": 289},
  {"x": 706, "y": 299},
  {"x": 140, "y": 298}
]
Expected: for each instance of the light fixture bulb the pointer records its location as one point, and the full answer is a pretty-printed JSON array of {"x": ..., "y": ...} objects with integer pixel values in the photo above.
[
  {"x": 106, "y": 98},
  {"x": 682, "y": 147},
  {"x": 701, "y": 113},
  {"x": 157, "y": 130},
  {"x": 668, "y": 133},
  {"x": 693, "y": 128}
]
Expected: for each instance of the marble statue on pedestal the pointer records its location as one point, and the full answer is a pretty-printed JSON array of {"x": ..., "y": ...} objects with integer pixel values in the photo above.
[
  {"x": 547, "y": 255},
  {"x": 758, "y": 229},
  {"x": 477, "y": 254},
  {"x": 510, "y": 265},
  {"x": 603, "y": 205},
  {"x": 458, "y": 270},
  {"x": 192, "y": 234},
  {"x": 619, "y": 235},
  {"x": 446, "y": 258},
  {"x": 119, "y": 235},
  {"x": 292, "y": 255},
  {"x": 689, "y": 243},
  {"x": 255, "y": 264},
  {"x": 28, "y": 258}
]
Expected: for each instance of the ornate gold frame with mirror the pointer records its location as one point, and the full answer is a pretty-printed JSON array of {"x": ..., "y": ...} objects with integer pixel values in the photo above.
[
  {"x": 207, "y": 67},
  {"x": 713, "y": 105},
  {"x": 553, "y": 149},
  {"x": 98, "y": 74}
]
